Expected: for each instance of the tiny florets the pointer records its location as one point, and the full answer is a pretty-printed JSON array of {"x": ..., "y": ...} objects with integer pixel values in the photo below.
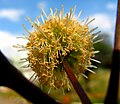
[{"x": 60, "y": 37}]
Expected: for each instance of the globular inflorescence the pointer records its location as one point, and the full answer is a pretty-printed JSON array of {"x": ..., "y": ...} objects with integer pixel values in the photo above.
[{"x": 60, "y": 37}]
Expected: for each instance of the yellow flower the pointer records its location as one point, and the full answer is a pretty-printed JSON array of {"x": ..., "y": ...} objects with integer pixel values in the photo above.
[{"x": 60, "y": 37}]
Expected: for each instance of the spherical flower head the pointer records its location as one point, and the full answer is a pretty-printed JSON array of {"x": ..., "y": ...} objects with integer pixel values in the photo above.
[{"x": 60, "y": 38}]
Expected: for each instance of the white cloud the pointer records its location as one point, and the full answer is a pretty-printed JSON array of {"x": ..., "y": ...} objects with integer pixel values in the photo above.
[
  {"x": 111, "y": 6},
  {"x": 103, "y": 21},
  {"x": 11, "y": 14},
  {"x": 7, "y": 40},
  {"x": 105, "y": 24}
]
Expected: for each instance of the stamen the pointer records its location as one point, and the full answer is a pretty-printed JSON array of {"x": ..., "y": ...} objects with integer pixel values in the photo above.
[
  {"x": 79, "y": 15},
  {"x": 95, "y": 52},
  {"x": 32, "y": 76},
  {"x": 73, "y": 11},
  {"x": 97, "y": 32},
  {"x": 93, "y": 29},
  {"x": 22, "y": 37},
  {"x": 24, "y": 59},
  {"x": 91, "y": 71},
  {"x": 43, "y": 12},
  {"x": 37, "y": 21},
  {"x": 98, "y": 41},
  {"x": 85, "y": 76},
  {"x": 62, "y": 12},
  {"x": 85, "y": 23},
  {"x": 55, "y": 12},
  {"x": 26, "y": 66},
  {"x": 90, "y": 21},
  {"x": 19, "y": 46},
  {"x": 26, "y": 29},
  {"x": 51, "y": 11},
  {"x": 69, "y": 16},
  {"x": 95, "y": 36},
  {"x": 66, "y": 21},
  {"x": 25, "y": 49},
  {"x": 42, "y": 18},
  {"x": 29, "y": 20},
  {"x": 63, "y": 91},
  {"x": 49, "y": 90},
  {"x": 95, "y": 60},
  {"x": 92, "y": 66}
]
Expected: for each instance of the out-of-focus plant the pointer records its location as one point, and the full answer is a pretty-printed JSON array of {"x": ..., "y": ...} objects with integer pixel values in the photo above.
[
  {"x": 105, "y": 48},
  {"x": 60, "y": 37}
]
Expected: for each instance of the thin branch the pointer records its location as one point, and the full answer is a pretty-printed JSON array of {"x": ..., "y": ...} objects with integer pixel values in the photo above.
[
  {"x": 78, "y": 88},
  {"x": 12, "y": 78}
]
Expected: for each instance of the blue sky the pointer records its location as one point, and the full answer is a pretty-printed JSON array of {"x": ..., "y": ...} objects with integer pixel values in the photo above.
[
  {"x": 14, "y": 12},
  {"x": 31, "y": 8}
]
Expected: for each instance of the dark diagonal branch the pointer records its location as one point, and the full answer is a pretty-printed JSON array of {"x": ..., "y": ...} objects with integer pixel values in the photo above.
[
  {"x": 82, "y": 95},
  {"x": 112, "y": 93},
  {"x": 12, "y": 78}
]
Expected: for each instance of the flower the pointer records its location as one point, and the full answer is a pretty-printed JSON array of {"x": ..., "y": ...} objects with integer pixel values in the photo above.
[{"x": 60, "y": 37}]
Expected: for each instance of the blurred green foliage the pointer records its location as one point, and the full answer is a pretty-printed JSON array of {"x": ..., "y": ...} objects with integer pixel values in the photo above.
[{"x": 105, "y": 48}]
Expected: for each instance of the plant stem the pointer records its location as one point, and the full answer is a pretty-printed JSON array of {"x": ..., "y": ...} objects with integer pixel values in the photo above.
[
  {"x": 78, "y": 88},
  {"x": 112, "y": 93},
  {"x": 12, "y": 78}
]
